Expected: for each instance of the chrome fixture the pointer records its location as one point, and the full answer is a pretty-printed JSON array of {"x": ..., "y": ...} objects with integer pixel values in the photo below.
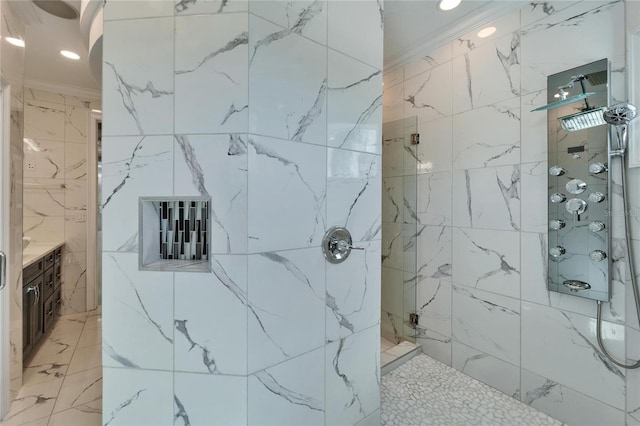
[
  {"x": 576, "y": 285},
  {"x": 556, "y": 171},
  {"x": 576, "y": 186},
  {"x": 337, "y": 244},
  {"x": 558, "y": 198},
  {"x": 596, "y": 226},
  {"x": 597, "y": 255},
  {"x": 557, "y": 224},
  {"x": 557, "y": 251},
  {"x": 597, "y": 168},
  {"x": 596, "y": 197},
  {"x": 576, "y": 206},
  {"x": 619, "y": 117}
]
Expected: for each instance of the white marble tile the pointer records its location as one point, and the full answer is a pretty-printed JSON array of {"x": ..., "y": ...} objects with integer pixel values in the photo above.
[
  {"x": 435, "y": 58},
  {"x": 91, "y": 333},
  {"x": 435, "y": 345},
  {"x": 74, "y": 300},
  {"x": 565, "y": 404},
  {"x": 354, "y": 104},
  {"x": 538, "y": 61},
  {"x": 137, "y": 81},
  {"x": 76, "y": 416},
  {"x": 364, "y": 44},
  {"x": 211, "y": 80},
  {"x": 353, "y": 292},
  {"x": 435, "y": 151},
  {"x": 487, "y": 322},
  {"x": 488, "y": 74},
  {"x": 74, "y": 271},
  {"x": 489, "y": 370},
  {"x": 76, "y": 124},
  {"x": 534, "y": 197},
  {"x": 354, "y": 192},
  {"x": 505, "y": 25},
  {"x": 279, "y": 329},
  {"x": 393, "y": 246},
  {"x": 393, "y": 103},
  {"x": 137, "y": 397},
  {"x": 304, "y": 17},
  {"x": 43, "y": 198},
  {"x": 43, "y": 121},
  {"x": 129, "y": 9},
  {"x": 82, "y": 390},
  {"x": 216, "y": 166},
  {"x": 487, "y": 136},
  {"x": 75, "y": 161},
  {"x": 392, "y": 301},
  {"x": 291, "y": 393},
  {"x": 487, "y": 260},
  {"x": 633, "y": 376},
  {"x": 132, "y": 167},
  {"x": 576, "y": 360},
  {"x": 536, "y": 11},
  {"x": 43, "y": 229},
  {"x": 372, "y": 419},
  {"x": 393, "y": 149},
  {"x": 533, "y": 127},
  {"x": 84, "y": 359},
  {"x": 210, "y": 310},
  {"x": 75, "y": 196},
  {"x": 433, "y": 305},
  {"x": 277, "y": 170},
  {"x": 287, "y": 97},
  {"x": 209, "y": 399},
  {"x": 352, "y": 375},
  {"x": 393, "y": 199},
  {"x": 31, "y": 94},
  {"x": 487, "y": 198},
  {"x": 33, "y": 403},
  {"x": 428, "y": 95},
  {"x": 434, "y": 255},
  {"x": 393, "y": 77},
  {"x": 136, "y": 301},
  {"x": 191, "y": 7},
  {"x": 434, "y": 199},
  {"x": 47, "y": 158}
]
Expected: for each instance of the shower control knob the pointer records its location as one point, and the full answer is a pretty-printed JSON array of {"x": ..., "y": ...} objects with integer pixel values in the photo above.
[
  {"x": 557, "y": 251},
  {"x": 576, "y": 186},
  {"x": 596, "y": 197},
  {"x": 558, "y": 198},
  {"x": 596, "y": 226},
  {"x": 557, "y": 224},
  {"x": 556, "y": 171},
  {"x": 596, "y": 168},
  {"x": 598, "y": 255}
]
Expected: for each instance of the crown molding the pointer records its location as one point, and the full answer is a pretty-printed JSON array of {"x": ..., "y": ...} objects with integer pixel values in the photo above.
[
  {"x": 80, "y": 92},
  {"x": 467, "y": 23}
]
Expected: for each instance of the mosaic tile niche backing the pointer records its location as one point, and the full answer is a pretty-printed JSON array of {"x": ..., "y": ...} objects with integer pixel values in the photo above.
[{"x": 183, "y": 230}]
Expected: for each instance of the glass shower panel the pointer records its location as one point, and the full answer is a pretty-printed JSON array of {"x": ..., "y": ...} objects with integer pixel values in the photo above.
[{"x": 399, "y": 229}]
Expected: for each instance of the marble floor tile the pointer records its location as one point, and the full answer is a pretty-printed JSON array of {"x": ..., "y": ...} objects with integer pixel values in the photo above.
[
  {"x": 33, "y": 403},
  {"x": 425, "y": 391},
  {"x": 76, "y": 417},
  {"x": 85, "y": 359},
  {"x": 82, "y": 391},
  {"x": 92, "y": 332}
]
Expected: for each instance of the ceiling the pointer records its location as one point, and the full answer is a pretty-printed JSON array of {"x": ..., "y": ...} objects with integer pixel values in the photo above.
[
  {"x": 411, "y": 27},
  {"x": 45, "y": 36}
]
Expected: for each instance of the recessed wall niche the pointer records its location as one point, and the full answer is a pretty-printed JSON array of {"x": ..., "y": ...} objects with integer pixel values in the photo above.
[{"x": 174, "y": 234}]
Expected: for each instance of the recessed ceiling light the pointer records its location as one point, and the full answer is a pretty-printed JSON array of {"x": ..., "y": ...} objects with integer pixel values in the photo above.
[
  {"x": 15, "y": 41},
  {"x": 486, "y": 32},
  {"x": 70, "y": 55},
  {"x": 448, "y": 4}
]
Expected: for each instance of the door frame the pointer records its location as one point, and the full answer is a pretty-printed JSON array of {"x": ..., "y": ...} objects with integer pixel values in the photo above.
[
  {"x": 92, "y": 212},
  {"x": 5, "y": 240}
]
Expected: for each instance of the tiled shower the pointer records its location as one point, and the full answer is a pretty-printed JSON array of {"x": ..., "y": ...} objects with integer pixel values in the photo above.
[{"x": 482, "y": 195}]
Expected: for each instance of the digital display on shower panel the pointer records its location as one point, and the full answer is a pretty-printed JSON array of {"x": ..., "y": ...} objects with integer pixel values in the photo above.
[{"x": 579, "y": 249}]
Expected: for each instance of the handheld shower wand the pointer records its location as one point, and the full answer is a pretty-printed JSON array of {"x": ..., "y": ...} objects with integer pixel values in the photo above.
[{"x": 619, "y": 116}]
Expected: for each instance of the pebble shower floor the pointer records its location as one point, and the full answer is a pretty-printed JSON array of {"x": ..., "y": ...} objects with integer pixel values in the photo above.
[{"x": 424, "y": 391}]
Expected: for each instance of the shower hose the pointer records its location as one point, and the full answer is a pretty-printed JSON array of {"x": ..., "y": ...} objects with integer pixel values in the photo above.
[{"x": 634, "y": 286}]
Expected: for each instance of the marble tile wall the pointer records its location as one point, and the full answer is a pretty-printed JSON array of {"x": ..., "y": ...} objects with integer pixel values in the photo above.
[
  {"x": 264, "y": 107},
  {"x": 55, "y": 190},
  {"x": 12, "y": 70},
  {"x": 483, "y": 182}
]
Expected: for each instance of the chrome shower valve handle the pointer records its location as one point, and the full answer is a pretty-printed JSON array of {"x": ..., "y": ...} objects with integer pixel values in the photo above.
[{"x": 337, "y": 244}]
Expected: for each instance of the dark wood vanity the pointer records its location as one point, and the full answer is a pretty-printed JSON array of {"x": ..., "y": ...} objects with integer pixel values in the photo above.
[{"x": 41, "y": 297}]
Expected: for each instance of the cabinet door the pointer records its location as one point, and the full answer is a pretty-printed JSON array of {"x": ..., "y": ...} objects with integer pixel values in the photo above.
[
  {"x": 28, "y": 298},
  {"x": 37, "y": 313}
]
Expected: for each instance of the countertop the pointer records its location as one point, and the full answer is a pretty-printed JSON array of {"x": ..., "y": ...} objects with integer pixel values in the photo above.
[{"x": 34, "y": 251}]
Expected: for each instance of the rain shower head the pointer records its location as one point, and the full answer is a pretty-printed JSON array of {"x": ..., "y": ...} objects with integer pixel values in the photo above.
[
  {"x": 619, "y": 116},
  {"x": 583, "y": 119}
]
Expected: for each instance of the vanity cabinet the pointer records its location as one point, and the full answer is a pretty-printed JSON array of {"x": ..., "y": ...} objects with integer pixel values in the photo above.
[{"x": 41, "y": 298}]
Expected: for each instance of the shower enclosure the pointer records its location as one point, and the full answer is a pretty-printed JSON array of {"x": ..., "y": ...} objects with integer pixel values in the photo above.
[{"x": 399, "y": 230}]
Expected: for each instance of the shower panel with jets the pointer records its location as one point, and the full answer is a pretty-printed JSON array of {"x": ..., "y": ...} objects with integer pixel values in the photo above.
[{"x": 581, "y": 153}]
